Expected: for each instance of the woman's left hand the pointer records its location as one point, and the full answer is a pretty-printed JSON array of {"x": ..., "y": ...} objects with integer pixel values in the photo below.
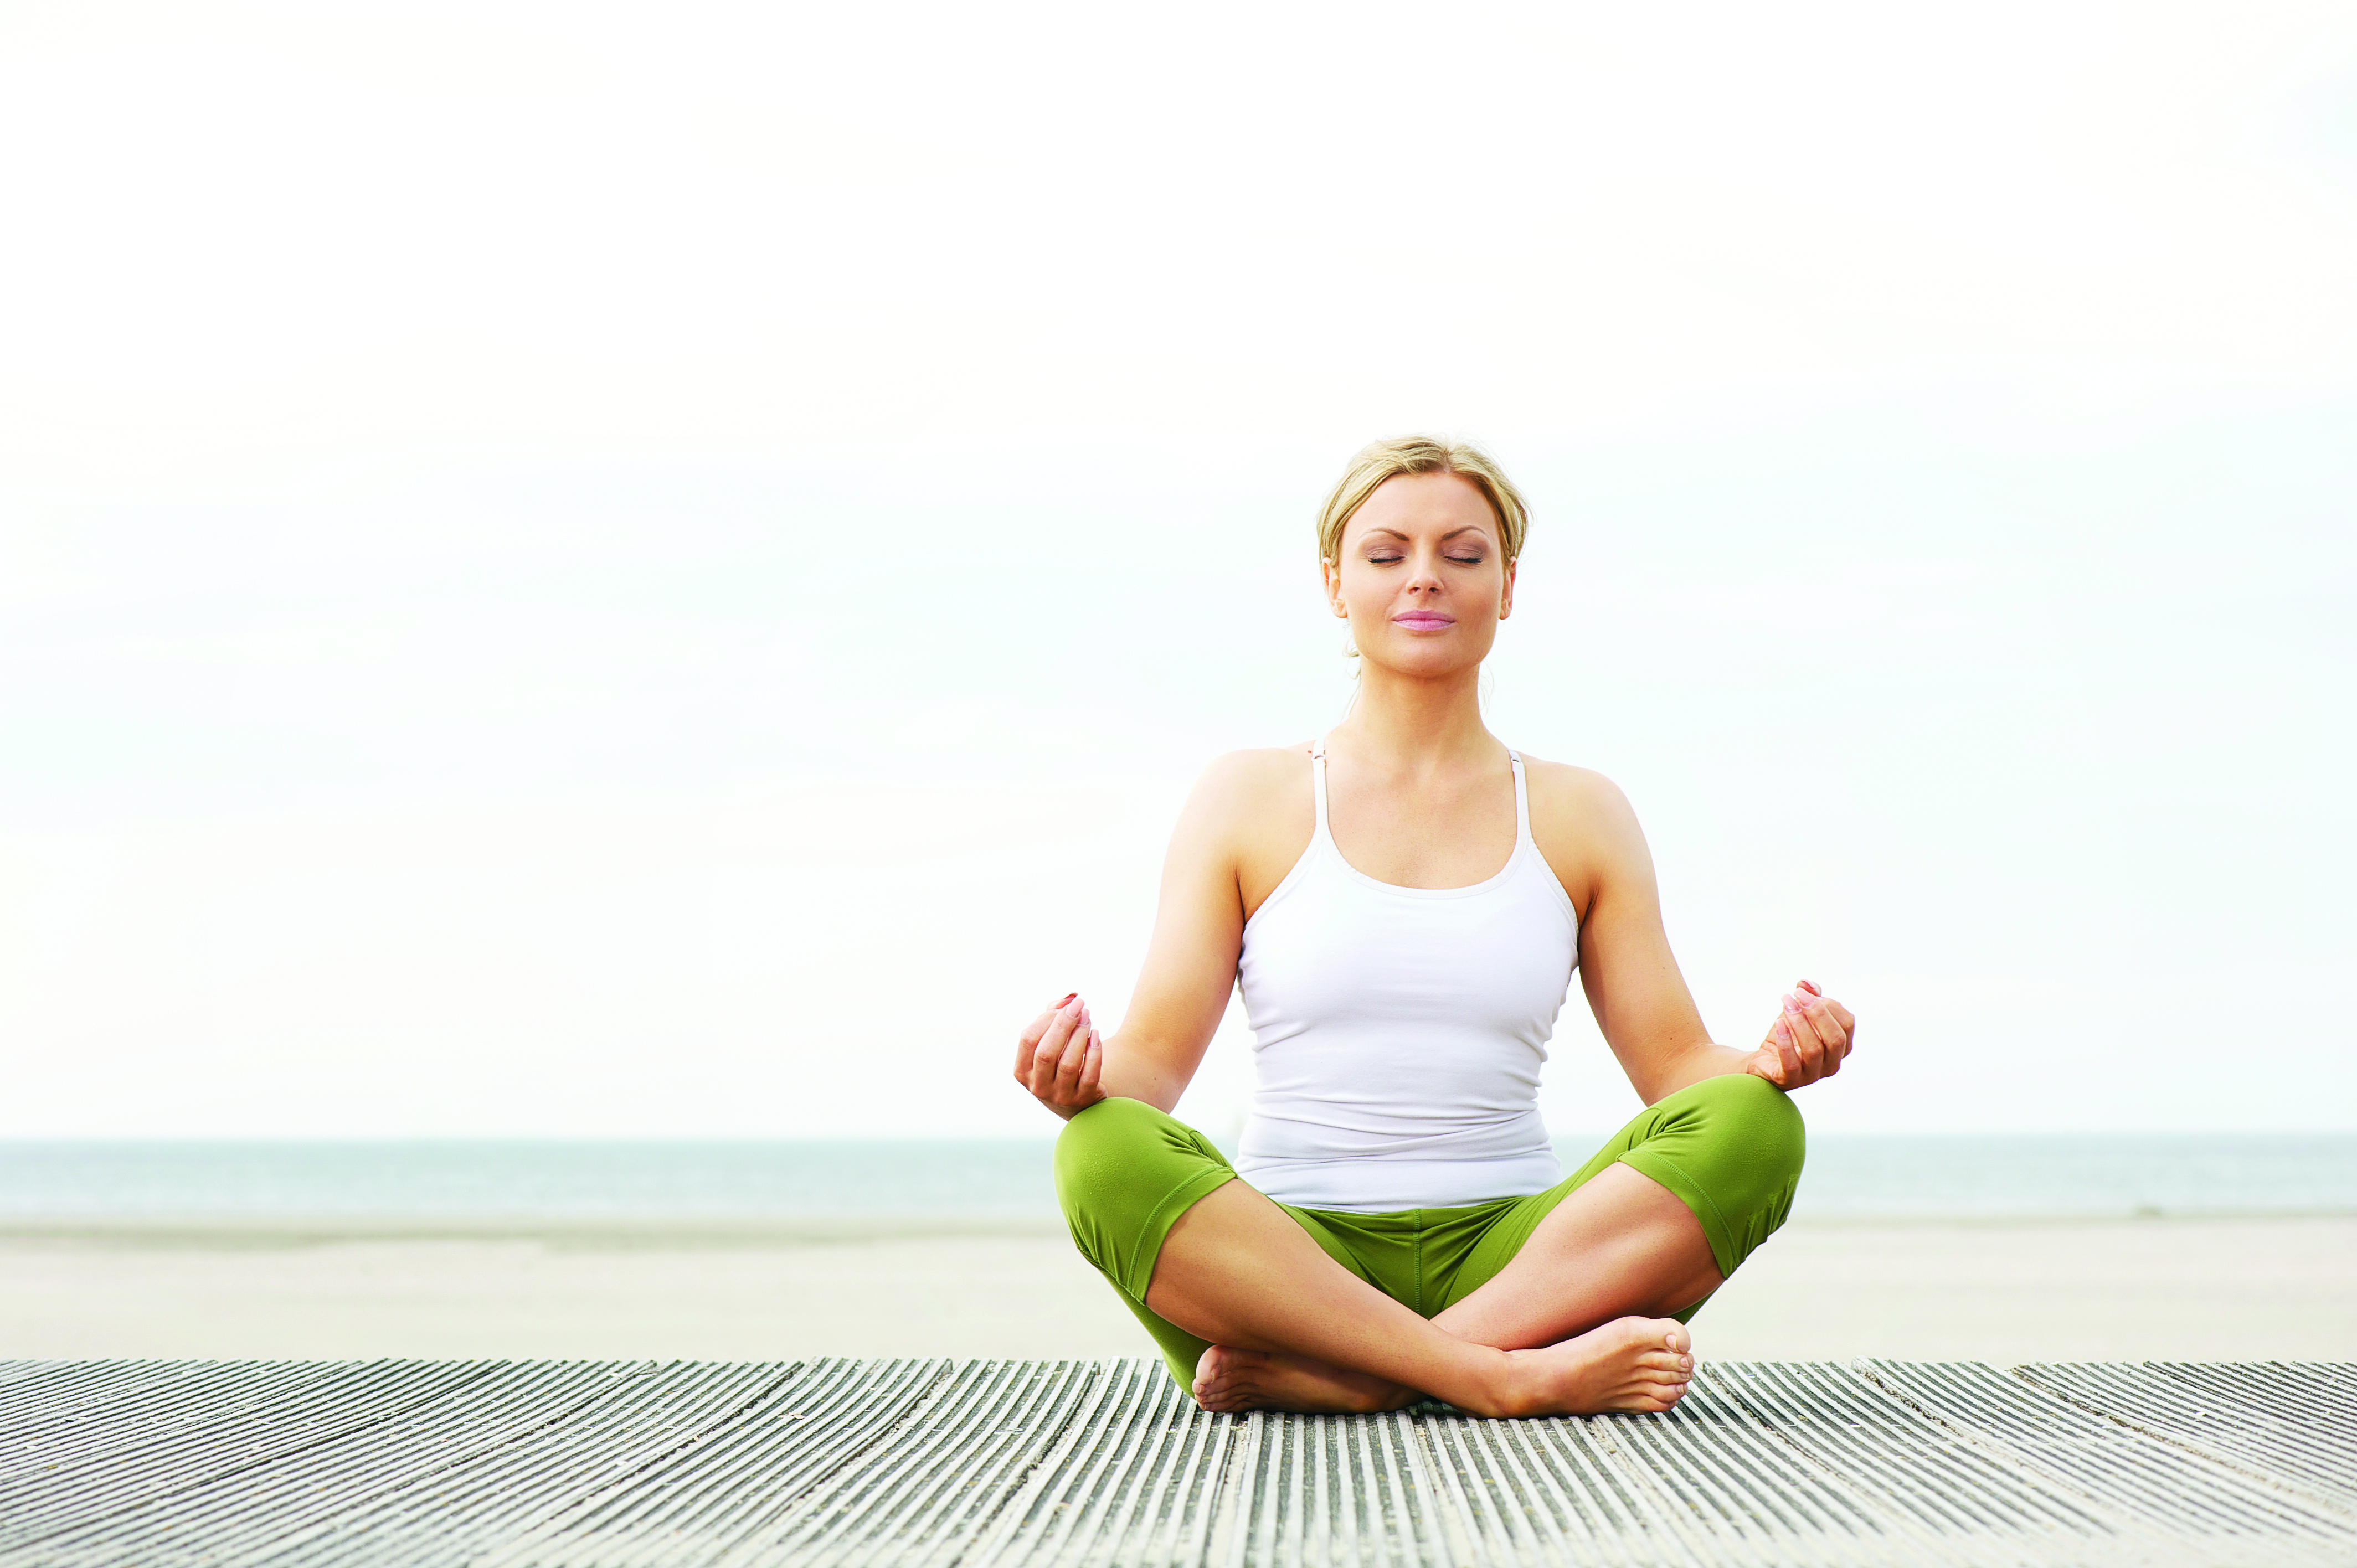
[{"x": 1807, "y": 1041}]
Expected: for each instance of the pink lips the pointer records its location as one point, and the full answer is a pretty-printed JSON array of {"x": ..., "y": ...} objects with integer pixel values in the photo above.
[{"x": 1423, "y": 621}]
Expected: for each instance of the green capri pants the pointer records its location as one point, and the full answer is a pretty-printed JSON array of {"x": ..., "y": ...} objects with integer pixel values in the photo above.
[{"x": 1730, "y": 1147}]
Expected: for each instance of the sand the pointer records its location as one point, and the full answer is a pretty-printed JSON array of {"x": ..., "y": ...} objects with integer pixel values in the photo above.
[{"x": 2175, "y": 1289}]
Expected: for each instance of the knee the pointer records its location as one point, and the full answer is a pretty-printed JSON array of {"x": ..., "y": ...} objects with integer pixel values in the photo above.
[
  {"x": 1124, "y": 1171},
  {"x": 1104, "y": 1149},
  {"x": 1759, "y": 1120},
  {"x": 1088, "y": 1140}
]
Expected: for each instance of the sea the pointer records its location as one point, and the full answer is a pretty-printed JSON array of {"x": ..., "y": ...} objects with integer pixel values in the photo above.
[{"x": 954, "y": 1182}]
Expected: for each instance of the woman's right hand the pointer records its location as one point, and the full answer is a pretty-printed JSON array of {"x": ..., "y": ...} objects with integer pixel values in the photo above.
[{"x": 1060, "y": 1057}]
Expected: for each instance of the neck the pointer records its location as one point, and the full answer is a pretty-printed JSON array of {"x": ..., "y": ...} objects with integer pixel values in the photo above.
[{"x": 1407, "y": 722}]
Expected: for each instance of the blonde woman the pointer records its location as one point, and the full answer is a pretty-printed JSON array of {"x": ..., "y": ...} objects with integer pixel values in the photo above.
[{"x": 1403, "y": 905}]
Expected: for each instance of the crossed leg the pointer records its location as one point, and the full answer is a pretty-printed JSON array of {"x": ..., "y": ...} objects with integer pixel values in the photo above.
[{"x": 1576, "y": 1324}]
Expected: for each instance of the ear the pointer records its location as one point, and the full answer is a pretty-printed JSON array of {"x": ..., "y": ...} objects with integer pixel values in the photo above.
[
  {"x": 1329, "y": 572},
  {"x": 1506, "y": 599}
]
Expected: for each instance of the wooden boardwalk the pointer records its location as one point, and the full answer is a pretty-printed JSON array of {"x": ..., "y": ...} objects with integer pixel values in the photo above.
[{"x": 1000, "y": 1463}]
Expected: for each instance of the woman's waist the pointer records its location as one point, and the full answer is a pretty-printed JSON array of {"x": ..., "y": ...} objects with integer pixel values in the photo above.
[
  {"x": 1289, "y": 1128},
  {"x": 1369, "y": 1184}
]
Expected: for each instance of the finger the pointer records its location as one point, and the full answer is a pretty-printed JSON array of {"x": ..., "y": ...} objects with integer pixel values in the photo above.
[
  {"x": 1067, "y": 1076},
  {"x": 1091, "y": 1074},
  {"x": 1788, "y": 1053},
  {"x": 1027, "y": 1044},
  {"x": 1766, "y": 1062},
  {"x": 1036, "y": 1051},
  {"x": 1051, "y": 1059},
  {"x": 1052, "y": 1045},
  {"x": 1039, "y": 1025},
  {"x": 1076, "y": 1056},
  {"x": 1828, "y": 1029},
  {"x": 1821, "y": 1037},
  {"x": 1849, "y": 1022},
  {"x": 1812, "y": 1049},
  {"x": 1825, "y": 1017},
  {"x": 1028, "y": 1040},
  {"x": 1818, "y": 1054}
]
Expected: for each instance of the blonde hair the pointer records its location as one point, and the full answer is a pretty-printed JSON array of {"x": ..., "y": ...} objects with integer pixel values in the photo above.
[{"x": 1422, "y": 454}]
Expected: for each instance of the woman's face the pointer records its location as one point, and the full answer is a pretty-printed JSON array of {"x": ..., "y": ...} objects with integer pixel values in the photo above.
[{"x": 1422, "y": 578}]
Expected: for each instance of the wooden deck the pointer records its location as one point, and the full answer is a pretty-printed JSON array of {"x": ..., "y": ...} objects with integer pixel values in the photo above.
[{"x": 1020, "y": 1463}]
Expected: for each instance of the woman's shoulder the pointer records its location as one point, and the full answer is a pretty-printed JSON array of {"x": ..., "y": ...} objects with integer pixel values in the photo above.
[
  {"x": 1243, "y": 786},
  {"x": 1576, "y": 811},
  {"x": 1565, "y": 783},
  {"x": 1251, "y": 811}
]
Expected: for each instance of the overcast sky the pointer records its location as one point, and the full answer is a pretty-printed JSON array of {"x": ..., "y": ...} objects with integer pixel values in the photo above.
[{"x": 661, "y": 570}]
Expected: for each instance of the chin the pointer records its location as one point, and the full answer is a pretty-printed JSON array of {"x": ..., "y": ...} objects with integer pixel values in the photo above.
[{"x": 1431, "y": 668}]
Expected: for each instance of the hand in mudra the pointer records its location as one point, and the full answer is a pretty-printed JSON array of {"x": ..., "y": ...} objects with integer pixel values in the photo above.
[
  {"x": 1807, "y": 1041},
  {"x": 1060, "y": 1057}
]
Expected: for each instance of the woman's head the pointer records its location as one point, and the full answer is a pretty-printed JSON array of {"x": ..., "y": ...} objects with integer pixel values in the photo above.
[{"x": 1417, "y": 546}]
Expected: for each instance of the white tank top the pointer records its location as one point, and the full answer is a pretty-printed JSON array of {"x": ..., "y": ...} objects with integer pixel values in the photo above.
[{"x": 1399, "y": 1031}]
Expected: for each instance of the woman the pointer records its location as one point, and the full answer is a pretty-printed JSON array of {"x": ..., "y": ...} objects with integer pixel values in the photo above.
[{"x": 1403, "y": 906}]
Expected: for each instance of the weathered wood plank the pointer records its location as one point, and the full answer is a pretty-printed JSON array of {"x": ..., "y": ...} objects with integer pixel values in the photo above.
[
  {"x": 2279, "y": 1432},
  {"x": 1025, "y": 1464}
]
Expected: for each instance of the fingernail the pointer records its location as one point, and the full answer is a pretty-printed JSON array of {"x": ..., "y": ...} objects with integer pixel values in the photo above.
[
  {"x": 1784, "y": 1030},
  {"x": 1072, "y": 1006},
  {"x": 1792, "y": 1002},
  {"x": 1067, "y": 997}
]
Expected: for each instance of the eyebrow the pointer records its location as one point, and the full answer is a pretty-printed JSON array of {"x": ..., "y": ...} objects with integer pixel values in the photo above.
[{"x": 1396, "y": 534}]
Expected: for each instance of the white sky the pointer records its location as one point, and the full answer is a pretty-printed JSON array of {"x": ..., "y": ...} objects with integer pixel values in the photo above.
[{"x": 663, "y": 569}]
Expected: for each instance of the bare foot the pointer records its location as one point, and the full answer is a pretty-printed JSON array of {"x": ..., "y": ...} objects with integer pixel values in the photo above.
[
  {"x": 1628, "y": 1364},
  {"x": 1231, "y": 1379}
]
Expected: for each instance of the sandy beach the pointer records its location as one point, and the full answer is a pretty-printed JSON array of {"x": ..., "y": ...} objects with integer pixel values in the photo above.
[{"x": 2243, "y": 1289}]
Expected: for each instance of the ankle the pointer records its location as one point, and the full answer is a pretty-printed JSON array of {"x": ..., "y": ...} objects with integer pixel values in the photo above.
[{"x": 1504, "y": 1388}]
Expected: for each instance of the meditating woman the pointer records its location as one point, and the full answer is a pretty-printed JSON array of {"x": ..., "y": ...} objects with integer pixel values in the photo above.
[{"x": 1403, "y": 905}]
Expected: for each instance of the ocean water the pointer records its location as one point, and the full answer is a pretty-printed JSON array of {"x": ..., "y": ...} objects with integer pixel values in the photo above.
[
  {"x": 1847, "y": 1178},
  {"x": 1955, "y": 1176}
]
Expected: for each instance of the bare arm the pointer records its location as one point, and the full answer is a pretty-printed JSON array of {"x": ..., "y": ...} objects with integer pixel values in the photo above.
[
  {"x": 1190, "y": 965},
  {"x": 1641, "y": 1001}
]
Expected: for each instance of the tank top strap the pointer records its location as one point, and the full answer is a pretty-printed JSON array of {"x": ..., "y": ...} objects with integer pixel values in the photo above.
[
  {"x": 1522, "y": 800},
  {"x": 1317, "y": 787}
]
